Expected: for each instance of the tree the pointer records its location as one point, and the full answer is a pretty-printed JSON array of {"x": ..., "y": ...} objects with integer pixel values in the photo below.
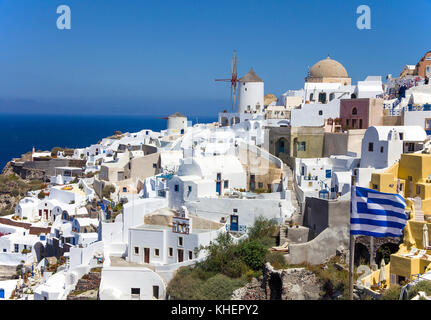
[
  {"x": 107, "y": 190},
  {"x": 263, "y": 230},
  {"x": 253, "y": 254}
]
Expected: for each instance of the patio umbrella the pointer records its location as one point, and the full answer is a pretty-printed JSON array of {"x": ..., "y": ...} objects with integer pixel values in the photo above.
[
  {"x": 425, "y": 238},
  {"x": 382, "y": 275}
]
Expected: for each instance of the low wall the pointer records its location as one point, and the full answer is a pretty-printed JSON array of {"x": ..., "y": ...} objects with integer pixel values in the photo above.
[{"x": 319, "y": 249}]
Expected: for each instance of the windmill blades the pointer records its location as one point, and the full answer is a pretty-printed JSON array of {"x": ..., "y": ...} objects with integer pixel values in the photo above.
[
  {"x": 234, "y": 97},
  {"x": 235, "y": 66}
]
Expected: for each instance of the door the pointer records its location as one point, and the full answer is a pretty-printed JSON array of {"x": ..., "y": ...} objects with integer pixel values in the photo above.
[
  {"x": 46, "y": 213},
  {"x": 146, "y": 255},
  {"x": 1, "y": 293},
  {"x": 180, "y": 255},
  {"x": 218, "y": 187},
  {"x": 234, "y": 222}
]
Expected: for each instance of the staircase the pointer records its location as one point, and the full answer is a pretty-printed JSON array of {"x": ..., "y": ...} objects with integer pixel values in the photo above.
[
  {"x": 287, "y": 172},
  {"x": 89, "y": 284}
]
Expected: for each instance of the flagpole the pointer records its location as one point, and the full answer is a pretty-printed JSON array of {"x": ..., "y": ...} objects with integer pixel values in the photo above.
[{"x": 352, "y": 243}]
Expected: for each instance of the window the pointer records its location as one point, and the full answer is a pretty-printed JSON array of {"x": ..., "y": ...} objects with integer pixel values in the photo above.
[
  {"x": 171, "y": 252},
  {"x": 190, "y": 255},
  {"x": 156, "y": 292},
  {"x": 136, "y": 292},
  {"x": 302, "y": 146},
  {"x": 331, "y": 96},
  {"x": 375, "y": 187},
  {"x": 16, "y": 247},
  {"x": 136, "y": 250},
  {"x": 428, "y": 124},
  {"x": 235, "y": 210},
  {"x": 156, "y": 252},
  {"x": 226, "y": 184},
  {"x": 218, "y": 176},
  {"x": 418, "y": 190},
  {"x": 320, "y": 112},
  {"x": 354, "y": 111},
  {"x": 347, "y": 122},
  {"x": 124, "y": 189},
  {"x": 260, "y": 185},
  {"x": 381, "y": 149},
  {"x": 401, "y": 136},
  {"x": 370, "y": 147},
  {"x": 177, "y": 188},
  {"x": 411, "y": 147},
  {"x": 322, "y": 97},
  {"x": 154, "y": 165},
  {"x": 180, "y": 241},
  {"x": 360, "y": 123},
  {"x": 353, "y": 123},
  {"x": 311, "y": 97}
]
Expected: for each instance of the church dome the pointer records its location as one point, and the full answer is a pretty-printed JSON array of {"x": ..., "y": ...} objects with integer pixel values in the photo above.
[{"x": 328, "y": 68}]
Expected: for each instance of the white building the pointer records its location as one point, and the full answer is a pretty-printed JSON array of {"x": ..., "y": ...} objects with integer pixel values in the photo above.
[
  {"x": 201, "y": 177},
  {"x": 382, "y": 146},
  {"x": 250, "y": 93}
]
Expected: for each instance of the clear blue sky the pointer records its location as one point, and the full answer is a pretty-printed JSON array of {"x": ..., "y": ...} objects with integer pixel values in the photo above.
[{"x": 157, "y": 57}]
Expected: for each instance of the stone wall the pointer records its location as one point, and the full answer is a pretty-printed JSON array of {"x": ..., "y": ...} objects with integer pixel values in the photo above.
[{"x": 284, "y": 284}]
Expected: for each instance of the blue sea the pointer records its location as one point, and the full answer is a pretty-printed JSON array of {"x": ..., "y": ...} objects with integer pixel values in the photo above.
[{"x": 19, "y": 133}]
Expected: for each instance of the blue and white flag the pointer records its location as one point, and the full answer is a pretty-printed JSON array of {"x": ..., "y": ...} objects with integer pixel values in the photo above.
[{"x": 377, "y": 214}]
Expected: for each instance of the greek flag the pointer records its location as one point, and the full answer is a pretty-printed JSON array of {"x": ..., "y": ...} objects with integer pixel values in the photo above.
[{"x": 377, "y": 214}]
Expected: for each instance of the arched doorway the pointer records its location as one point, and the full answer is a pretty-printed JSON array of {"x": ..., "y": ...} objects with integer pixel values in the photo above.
[
  {"x": 362, "y": 255},
  {"x": 281, "y": 146},
  {"x": 224, "y": 122},
  {"x": 385, "y": 251}
]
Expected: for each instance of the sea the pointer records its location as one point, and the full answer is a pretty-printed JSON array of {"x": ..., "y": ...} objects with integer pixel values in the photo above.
[{"x": 20, "y": 133}]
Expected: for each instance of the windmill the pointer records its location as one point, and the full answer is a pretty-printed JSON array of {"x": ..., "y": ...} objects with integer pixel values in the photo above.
[{"x": 233, "y": 81}]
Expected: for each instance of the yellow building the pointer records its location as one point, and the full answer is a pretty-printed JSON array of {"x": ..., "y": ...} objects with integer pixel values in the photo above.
[{"x": 409, "y": 177}]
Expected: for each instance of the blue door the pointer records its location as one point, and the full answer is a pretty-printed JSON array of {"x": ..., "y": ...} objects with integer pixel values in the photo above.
[
  {"x": 328, "y": 173},
  {"x": 233, "y": 223},
  {"x": 218, "y": 187},
  {"x": 1, "y": 293}
]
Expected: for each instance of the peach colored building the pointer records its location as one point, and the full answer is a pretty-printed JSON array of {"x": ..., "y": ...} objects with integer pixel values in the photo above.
[
  {"x": 423, "y": 67},
  {"x": 361, "y": 113}
]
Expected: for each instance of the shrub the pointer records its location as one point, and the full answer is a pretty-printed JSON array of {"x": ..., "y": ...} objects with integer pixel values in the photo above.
[
  {"x": 219, "y": 287},
  {"x": 107, "y": 190},
  {"x": 41, "y": 195},
  {"x": 253, "y": 254},
  {"x": 392, "y": 293},
  {"x": 184, "y": 286},
  {"x": 424, "y": 285},
  {"x": 276, "y": 259},
  {"x": 263, "y": 230}
]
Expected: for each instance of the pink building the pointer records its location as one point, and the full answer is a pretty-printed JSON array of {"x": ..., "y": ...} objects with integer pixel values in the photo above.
[{"x": 361, "y": 113}]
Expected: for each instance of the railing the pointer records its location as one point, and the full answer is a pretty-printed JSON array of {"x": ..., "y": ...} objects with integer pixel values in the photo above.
[
  {"x": 425, "y": 107},
  {"x": 242, "y": 228}
]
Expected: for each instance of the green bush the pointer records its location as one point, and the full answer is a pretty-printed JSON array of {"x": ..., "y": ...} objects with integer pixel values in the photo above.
[
  {"x": 253, "y": 254},
  {"x": 219, "y": 287},
  {"x": 41, "y": 195},
  {"x": 184, "y": 286},
  {"x": 107, "y": 190},
  {"x": 263, "y": 230},
  {"x": 276, "y": 259},
  {"x": 424, "y": 285},
  {"x": 392, "y": 293}
]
